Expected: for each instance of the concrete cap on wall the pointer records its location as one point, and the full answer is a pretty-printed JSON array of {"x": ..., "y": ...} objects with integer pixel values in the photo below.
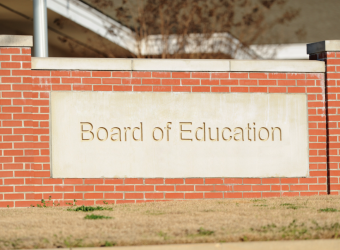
[
  {"x": 324, "y": 46},
  {"x": 203, "y": 65},
  {"x": 16, "y": 41}
]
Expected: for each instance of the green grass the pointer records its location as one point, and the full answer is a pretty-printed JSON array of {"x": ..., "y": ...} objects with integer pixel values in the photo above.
[
  {"x": 289, "y": 206},
  {"x": 204, "y": 232},
  {"x": 96, "y": 217},
  {"x": 328, "y": 209},
  {"x": 89, "y": 208}
]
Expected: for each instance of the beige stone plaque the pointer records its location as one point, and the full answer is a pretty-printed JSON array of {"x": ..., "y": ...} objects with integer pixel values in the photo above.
[{"x": 133, "y": 134}]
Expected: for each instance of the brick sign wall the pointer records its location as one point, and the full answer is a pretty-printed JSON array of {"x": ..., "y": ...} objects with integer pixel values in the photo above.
[{"x": 25, "y": 157}]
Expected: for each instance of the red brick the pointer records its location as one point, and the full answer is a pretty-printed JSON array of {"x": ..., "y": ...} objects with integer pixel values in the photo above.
[
  {"x": 122, "y": 88},
  {"x": 233, "y": 181},
  {"x": 261, "y": 188},
  {"x": 131, "y": 81},
  {"x": 238, "y": 75},
  {"x": 91, "y": 80},
  {"x": 141, "y": 74},
  {"x": 112, "y": 81},
  {"x": 242, "y": 187},
  {"x": 21, "y": 72},
  {"x": 229, "y": 82},
  {"x": 193, "y": 181},
  {"x": 223, "y": 188},
  {"x": 204, "y": 188},
  {"x": 181, "y": 75},
  {"x": 286, "y": 82},
  {"x": 113, "y": 195},
  {"x": 193, "y": 195},
  {"x": 81, "y": 87},
  {"x": 134, "y": 196},
  {"x": 16, "y": 181},
  {"x": 60, "y": 73},
  {"x": 258, "y": 89},
  {"x": 144, "y": 188},
  {"x": 61, "y": 87},
  {"x": 258, "y": 75},
  {"x": 4, "y": 189},
  {"x": 171, "y": 81},
  {"x": 121, "y": 74},
  {"x": 3, "y": 160},
  {"x": 13, "y": 152},
  {"x": 296, "y": 76},
  {"x": 267, "y": 82},
  {"x": 165, "y": 188},
  {"x": 81, "y": 73},
  {"x": 5, "y": 57},
  {"x": 21, "y": 58},
  {"x": 219, "y": 75},
  {"x": 40, "y": 72},
  {"x": 200, "y": 75},
  {"x": 14, "y": 196},
  {"x": 200, "y": 89},
  {"x": 210, "y": 82},
  {"x": 102, "y": 88},
  {"x": 5, "y": 72},
  {"x": 84, "y": 188},
  {"x": 73, "y": 181},
  {"x": 314, "y": 90},
  {"x": 15, "y": 65},
  {"x": 190, "y": 81},
  {"x": 161, "y": 74},
  {"x": 329, "y": 75},
  {"x": 114, "y": 181},
  {"x": 162, "y": 88},
  {"x": 270, "y": 195},
  {"x": 185, "y": 188},
  {"x": 93, "y": 196},
  {"x": 270, "y": 180},
  {"x": 248, "y": 82},
  {"x": 154, "y": 195},
  {"x": 151, "y": 81},
  {"x": 174, "y": 181},
  {"x": 11, "y": 79},
  {"x": 123, "y": 188},
  {"x": 101, "y": 74},
  {"x": 277, "y": 75},
  {"x": 105, "y": 188},
  {"x": 142, "y": 88},
  {"x": 94, "y": 181},
  {"x": 125, "y": 201},
  {"x": 68, "y": 80},
  {"x": 72, "y": 196},
  {"x": 333, "y": 61},
  {"x": 10, "y": 50},
  {"x": 181, "y": 88},
  {"x": 214, "y": 181},
  {"x": 239, "y": 89},
  {"x": 154, "y": 181},
  {"x": 251, "y": 181},
  {"x": 213, "y": 195},
  {"x": 220, "y": 89},
  {"x": 251, "y": 195},
  {"x": 318, "y": 187},
  {"x": 52, "y": 181},
  {"x": 296, "y": 90}
]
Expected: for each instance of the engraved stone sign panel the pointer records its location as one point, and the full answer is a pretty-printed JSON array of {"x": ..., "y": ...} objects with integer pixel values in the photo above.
[{"x": 134, "y": 134}]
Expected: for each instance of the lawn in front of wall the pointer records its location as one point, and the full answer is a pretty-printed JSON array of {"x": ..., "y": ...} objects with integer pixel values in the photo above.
[{"x": 202, "y": 221}]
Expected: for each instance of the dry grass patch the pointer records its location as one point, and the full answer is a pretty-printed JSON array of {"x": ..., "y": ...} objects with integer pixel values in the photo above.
[{"x": 171, "y": 222}]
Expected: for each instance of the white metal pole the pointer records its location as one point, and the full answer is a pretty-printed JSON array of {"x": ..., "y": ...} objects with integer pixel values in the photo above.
[{"x": 40, "y": 28}]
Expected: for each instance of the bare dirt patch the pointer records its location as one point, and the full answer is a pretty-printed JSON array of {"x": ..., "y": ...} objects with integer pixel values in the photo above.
[{"x": 172, "y": 222}]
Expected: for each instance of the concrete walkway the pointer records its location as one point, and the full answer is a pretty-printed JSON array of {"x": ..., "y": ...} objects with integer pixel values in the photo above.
[{"x": 260, "y": 245}]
